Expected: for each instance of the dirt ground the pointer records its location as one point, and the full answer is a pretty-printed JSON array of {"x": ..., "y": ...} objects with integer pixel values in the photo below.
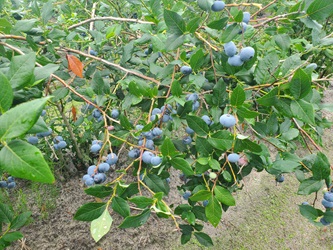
[{"x": 266, "y": 216}]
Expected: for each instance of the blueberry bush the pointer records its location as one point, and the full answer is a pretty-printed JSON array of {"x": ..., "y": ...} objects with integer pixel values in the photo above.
[{"x": 128, "y": 92}]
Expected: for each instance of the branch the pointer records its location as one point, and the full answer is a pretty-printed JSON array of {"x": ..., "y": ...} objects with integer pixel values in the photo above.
[
  {"x": 108, "y": 18},
  {"x": 262, "y": 9},
  {"x": 275, "y": 18},
  {"x": 306, "y": 134}
]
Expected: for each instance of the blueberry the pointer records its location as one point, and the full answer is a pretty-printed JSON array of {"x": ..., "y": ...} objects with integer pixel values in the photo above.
[
  {"x": 230, "y": 49},
  {"x": 327, "y": 204},
  {"x": 305, "y": 203},
  {"x": 205, "y": 203},
  {"x": 206, "y": 119},
  {"x": 157, "y": 131},
  {"x": 112, "y": 158},
  {"x": 246, "y": 17},
  {"x": 195, "y": 105},
  {"x": 153, "y": 118},
  {"x": 134, "y": 153},
  {"x": 187, "y": 195},
  {"x": 233, "y": 157},
  {"x": 192, "y": 97},
  {"x": 11, "y": 185},
  {"x": 89, "y": 181},
  {"x": 167, "y": 180},
  {"x": 165, "y": 118},
  {"x": 324, "y": 221},
  {"x": 93, "y": 52},
  {"x": 33, "y": 140},
  {"x": 96, "y": 113},
  {"x": 279, "y": 178},
  {"x": 86, "y": 177},
  {"x": 10, "y": 179},
  {"x": 44, "y": 134},
  {"x": 3, "y": 184},
  {"x": 140, "y": 142},
  {"x": 156, "y": 111},
  {"x": 139, "y": 127},
  {"x": 95, "y": 148},
  {"x": 149, "y": 135},
  {"x": 328, "y": 196},
  {"x": 218, "y": 6},
  {"x": 312, "y": 66},
  {"x": 235, "y": 61},
  {"x": 62, "y": 144},
  {"x": 156, "y": 160},
  {"x": 243, "y": 27},
  {"x": 91, "y": 170},
  {"x": 55, "y": 146},
  {"x": 147, "y": 156},
  {"x": 57, "y": 139},
  {"x": 43, "y": 112},
  {"x": 97, "y": 142},
  {"x": 186, "y": 70},
  {"x": 103, "y": 167},
  {"x": 246, "y": 53},
  {"x": 187, "y": 140},
  {"x": 99, "y": 178},
  {"x": 115, "y": 113},
  {"x": 189, "y": 130},
  {"x": 150, "y": 144},
  {"x": 227, "y": 120}
]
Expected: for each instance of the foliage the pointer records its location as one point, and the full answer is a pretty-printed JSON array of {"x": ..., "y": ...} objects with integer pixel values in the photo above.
[{"x": 139, "y": 57}]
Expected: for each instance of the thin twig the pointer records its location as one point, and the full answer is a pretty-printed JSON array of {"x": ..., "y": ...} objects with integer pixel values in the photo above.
[
  {"x": 263, "y": 8},
  {"x": 306, "y": 134},
  {"x": 108, "y": 18}
]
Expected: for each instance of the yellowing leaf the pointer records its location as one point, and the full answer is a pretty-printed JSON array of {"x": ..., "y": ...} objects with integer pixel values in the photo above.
[{"x": 101, "y": 226}]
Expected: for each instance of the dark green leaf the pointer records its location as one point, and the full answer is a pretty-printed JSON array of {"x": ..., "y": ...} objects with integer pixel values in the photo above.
[
  {"x": 218, "y": 24},
  {"x": 320, "y": 9},
  {"x": 99, "y": 191},
  {"x": 300, "y": 84},
  {"x": 142, "y": 201},
  {"x": 193, "y": 24},
  {"x": 156, "y": 184},
  {"x": 124, "y": 122},
  {"x": 47, "y": 11},
  {"x": 309, "y": 186},
  {"x": 224, "y": 196},
  {"x": 221, "y": 140},
  {"x": 136, "y": 220},
  {"x": 230, "y": 33},
  {"x": 321, "y": 167},
  {"x": 90, "y": 211},
  {"x": 283, "y": 166},
  {"x": 266, "y": 68},
  {"x": 167, "y": 148},
  {"x": 12, "y": 236},
  {"x": 197, "y": 124},
  {"x": 309, "y": 212},
  {"x": 303, "y": 111},
  {"x": 20, "y": 220},
  {"x": 237, "y": 96},
  {"x": 203, "y": 239},
  {"x": 40, "y": 126},
  {"x": 182, "y": 165},
  {"x": 201, "y": 195},
  {"x": 213, "y": 211},
  {"x": 270, "y": 98},
  {"x": 197, "y": 60},
  {"x": 6, "y": 215},
  {"x": 98, "y": 85},
  {"x": 120, "y": 206},
  {"x": 176, "y": 89},
  {"x": 203, "y": 147},
  {"x": 6, "y": 97},
  {"x": 175, "y": 22}
]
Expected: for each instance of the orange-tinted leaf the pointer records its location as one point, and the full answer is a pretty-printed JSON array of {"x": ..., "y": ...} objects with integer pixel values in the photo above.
[
  {"x": 74, "y": 113},
  {"x": 75, "y": 65}
]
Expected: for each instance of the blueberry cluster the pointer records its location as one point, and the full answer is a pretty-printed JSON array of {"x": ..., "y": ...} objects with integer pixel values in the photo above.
[
  {"x": 96, "y": 146},
  {"x": 163, "y": 113},
  {"x": 10, "y": 183},
  {"x": 328, "y": 204},
  {"x": 146, "y": 139},
  {"x": 96, "y": 174},
  {"x": 194, "y": 97},
  {"x": 234, "y": 59},
  {"x": 59, "y": 142},
  {"x": 97, "y": 115}
]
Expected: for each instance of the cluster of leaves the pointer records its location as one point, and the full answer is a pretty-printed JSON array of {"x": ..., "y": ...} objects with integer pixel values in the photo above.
[{"x": 133, "y": 65}]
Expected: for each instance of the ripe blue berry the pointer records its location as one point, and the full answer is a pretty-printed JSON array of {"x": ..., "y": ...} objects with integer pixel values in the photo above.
[
  {"x": 230, "y": 49},
  {"x": 227, "y": 120},
  {"x": 187, "y": 140},
  {"x": 134, "y": 153},
  {"x": 33, "y": 140},
  {"x": 279, "y": 178},
  {"x": 58, "y": 139},
  {"x": 86, "y": 177},
  {"x": 157, "y": 131},
  {"x": 312, "y": 66},
  {"x": 186, "y": 70},
  {"x": 328, "y": 196},
  {"x": 43, "y": 113},
  {"x": 95, "y": 148},
  {"x": 89, "y": 181},
  {"x": 44, "y": 134},
  {"x": 233, "y": 157},
  {"x": 103, "y": 167},
  {"x": 246, "y": 53},
  {"x": 235, "y": 61},
  {"x": 324, "y": 221},
  {"x": 96, "y": 113},
  {"x": 246, "y": 17},
  {"x": 305, "y": 203},
  {"x": 156, "y": 160},
  {"x": 150, "y": 144},
  {"x": 192, "y": 97},
  {"x": 11, "y": 185},
  {"x": 218, "y": 6},
  {"x": 115, "y": 113},
  {"x": 205, "y": 203},
  {"x": 149, "y": 135},
  {"x": 99, "y": 178},
  {"x": 189, "y": 130},
  {"x": 187, "y": 195},
  {"x": 93, "y": 52},
  {"x": 206, "y": 119},
  {"x": 111, "y": 158},
  {"x": 327, "y": 204},
  {"x": 156, "y": 111},
  {"x": 10, "y": 179},
  {"x": 195, "y": 105},
  {"x": 243, "y": 28},
  {"x": 147, "y": 156},
  {"x": 62, "y": 144},
  {"x": 91, "y": 170},
  {"x": 3, "y": 184}
]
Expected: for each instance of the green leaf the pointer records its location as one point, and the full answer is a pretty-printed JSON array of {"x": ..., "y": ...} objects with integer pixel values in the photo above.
[
  {"x": 270, "y": 98},
  {"x": 197, "y": 60},
  {"x": 60, "y": 93},
  {"x": 24, "y": 160},
  {"x": 174, "y": 22},
  {"x": 136, "y": 220},
  {"x": 241, "y": 145},
  {"x": 12, "y": 236},
  {"x": 45, "y": 71},
  {"x": 203, "y": 239},
  {"x": 185, "y": 237},
  {"x": 218, "y": 24},
  {"x": 203, "y": 147},
  {"x": 167, "y": 148},
  {"x": 101, "y": 226},
  {"x": 221, "y": 140},
  {"x": 219, "y": 93},
  {"x": 5, "y": 26},
  {"x": 156, "y": 184},
  {"x": 197, "y": 124},
  {"x": 320, "y": 9},
  {"x": 309, "y": 212},
  {"x": 264, "y": 72},
  {"x": 205, "y": 4},
  {"x": 127, "y": 52},
  {"x": 230, "y": 33},
  {"x": 283, "y": 166},
  {"x": 283, "y": 41},
  {"x": 20, "y": 220},
  {"x": 224, "y": 196},
  {"x": 303, "y": 111},
  {"x": 142, "y": 201},
  {"x": 98, "y": 85},
  {"x": 174, "y": 41},
  {"x": 124, "y": 122},
  {"x": 6, "y": 215},
  {"x": 120, "y": 206},
  {"x": 300, "y": 84},
  {"x": 309, "y": 186},
  {"x": 7, "y": 96},
  {"x": 47, "y": 11},
  {"x": 321, "y": 167},
  {"x": 176, "y": 89},
  {"x": 18, "y": 120},
  {"x": 201, "y": 195},
  {"x": 182, "y": 165},
  {"x": 99, "y": 191},
  {"x": 40, "y": 126},
  {"x": 213, "y": 211},
  {"x": 237, "y": 96},
  {"x": 246, "y": 113},
  {"x": 193, "y": 24},
  {"x": 90, "y": 211}
]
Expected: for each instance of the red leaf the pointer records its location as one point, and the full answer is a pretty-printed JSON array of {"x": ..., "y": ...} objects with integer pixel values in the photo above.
[
  {"x": 75, "y": 65},
  {"x": 74, "y": 113}
]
